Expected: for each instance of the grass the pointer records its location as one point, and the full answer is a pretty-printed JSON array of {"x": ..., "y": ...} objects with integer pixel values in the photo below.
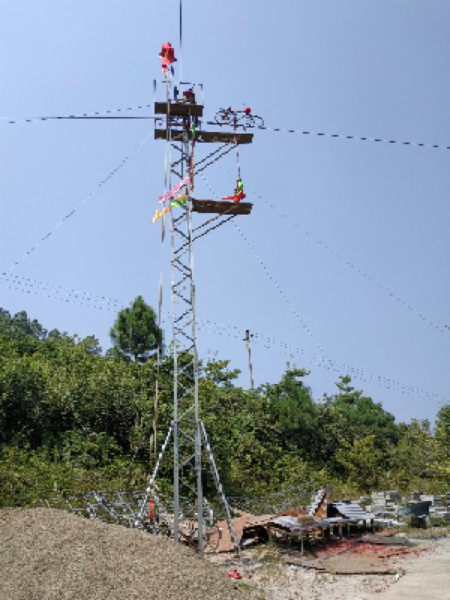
[{"x": 432, "y": 532}]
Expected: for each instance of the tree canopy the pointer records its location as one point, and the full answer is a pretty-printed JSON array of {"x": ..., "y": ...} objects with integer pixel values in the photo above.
[
  {"x": 136, "y": 334},
  {"x": 75, "y": 419}
]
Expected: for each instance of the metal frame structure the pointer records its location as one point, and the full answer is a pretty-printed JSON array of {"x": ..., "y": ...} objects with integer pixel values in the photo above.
[
  {"x": 187, "y": 446},
  {"x": 190, "y": 441}
]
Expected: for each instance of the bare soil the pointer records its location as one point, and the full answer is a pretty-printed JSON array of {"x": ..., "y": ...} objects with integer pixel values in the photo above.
[{"x": 424, "y": 574}]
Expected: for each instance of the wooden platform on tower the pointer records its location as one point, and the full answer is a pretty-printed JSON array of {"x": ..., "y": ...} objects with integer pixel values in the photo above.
[
  {"x": 221, "y": 207},
  {"x": 220, "y": 137},
  {"x": 178, "y": 109}
]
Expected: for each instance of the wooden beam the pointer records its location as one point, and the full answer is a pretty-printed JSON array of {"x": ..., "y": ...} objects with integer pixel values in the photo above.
[
  {"x": 225, "y": 137},
  {"x": 221, "y": 137},
  {"x": 221, "y": 207},
  {"x": 179, "y": 109}
]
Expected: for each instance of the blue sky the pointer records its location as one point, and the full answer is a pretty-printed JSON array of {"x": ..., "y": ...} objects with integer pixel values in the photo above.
[{"x": 345, "y": 255}]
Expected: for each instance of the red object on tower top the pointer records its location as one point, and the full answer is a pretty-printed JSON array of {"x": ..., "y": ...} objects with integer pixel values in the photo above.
[
  {"x": 167, "y": 55},
  {"x": 247, "y": 110}
]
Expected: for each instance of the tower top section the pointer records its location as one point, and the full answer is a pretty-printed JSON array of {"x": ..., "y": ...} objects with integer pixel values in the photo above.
[{"x": 179, "y": 122}]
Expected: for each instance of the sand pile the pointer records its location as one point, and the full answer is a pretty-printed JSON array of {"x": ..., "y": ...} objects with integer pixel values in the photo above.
[{"x": 49, "y": 554}]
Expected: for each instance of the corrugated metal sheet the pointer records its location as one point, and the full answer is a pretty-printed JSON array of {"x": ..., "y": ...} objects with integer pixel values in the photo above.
[
  {"x": 292, "y": 524},
  {"x": 351, "y": 510}
]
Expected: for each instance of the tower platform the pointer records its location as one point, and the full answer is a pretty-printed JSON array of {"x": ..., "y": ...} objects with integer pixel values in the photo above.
[
  {"x": 178, "y": 109},
  {"x": 218, "y": 137},
  {"x": 221, "y": 207}
]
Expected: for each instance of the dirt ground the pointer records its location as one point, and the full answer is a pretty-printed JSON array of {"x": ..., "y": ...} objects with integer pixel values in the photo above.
[
  {"x": 427, "y": 577},
  {"x": 423, "y": 574}
]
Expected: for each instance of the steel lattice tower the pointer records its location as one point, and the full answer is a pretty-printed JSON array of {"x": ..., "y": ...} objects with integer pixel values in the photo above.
[
  {"x": 187, "y": 442},
  {"x": 182, "y": 133}
]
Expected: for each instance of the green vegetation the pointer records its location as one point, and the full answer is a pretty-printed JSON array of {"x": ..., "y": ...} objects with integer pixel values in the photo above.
[
  {"x": 73, "y": 419},
  {"x": 135, "y": 334}
]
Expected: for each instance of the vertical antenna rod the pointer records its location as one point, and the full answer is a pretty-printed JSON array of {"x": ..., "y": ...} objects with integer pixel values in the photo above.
[{"x": 181, "y": 40}]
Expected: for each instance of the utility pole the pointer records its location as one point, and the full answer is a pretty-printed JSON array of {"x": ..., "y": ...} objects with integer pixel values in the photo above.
[{"x": 249, "y": 351}]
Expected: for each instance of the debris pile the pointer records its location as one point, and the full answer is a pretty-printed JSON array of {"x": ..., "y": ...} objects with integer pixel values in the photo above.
[
  {"x": 419, "y": 509},
  {"x": 248, "y": 529},
  {"x": 323, "y": 521},
  {"x": 326, "y": 521},
  {"x": 368, "y": 555}
]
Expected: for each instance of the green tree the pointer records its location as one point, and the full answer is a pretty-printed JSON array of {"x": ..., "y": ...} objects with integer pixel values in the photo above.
[
  {"x": 136, "y": 334},
  {"x": 442, "y": 431},
  {"x": 293, "y": 407},
  {"x": 26, "y": 333},
  {"x": 413, "y": 459},
  {"x": 363, "y": 463},
  {"x": 442, "y": 441},
  {"x": 349, "y": 416}
]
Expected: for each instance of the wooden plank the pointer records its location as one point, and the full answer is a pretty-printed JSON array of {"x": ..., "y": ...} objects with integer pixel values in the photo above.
[
  {"x": 221, "y": 207},
  {"x": 225, "y": 137},
  {"x": 179, "y": 109},
  {"x": 208, "y": 136}
]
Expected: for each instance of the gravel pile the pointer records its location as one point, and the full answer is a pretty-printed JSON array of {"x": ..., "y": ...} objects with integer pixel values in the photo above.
[{"x": 52, "y": 555}]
